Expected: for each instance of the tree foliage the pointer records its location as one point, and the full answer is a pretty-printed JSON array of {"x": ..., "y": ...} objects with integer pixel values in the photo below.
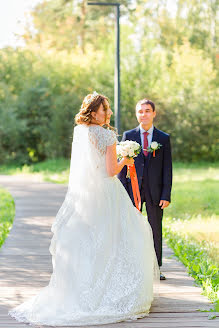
[{"x": 166, "y": 56}]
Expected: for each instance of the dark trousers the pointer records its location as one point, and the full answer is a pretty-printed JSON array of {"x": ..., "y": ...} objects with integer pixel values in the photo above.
[{"x": 154, "y": 213}]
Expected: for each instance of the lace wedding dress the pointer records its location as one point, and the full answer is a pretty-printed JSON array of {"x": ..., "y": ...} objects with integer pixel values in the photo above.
[{"x": 104, "y": 263}]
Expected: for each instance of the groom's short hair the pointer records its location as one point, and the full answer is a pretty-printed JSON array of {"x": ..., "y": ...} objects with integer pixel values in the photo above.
[{"x": 145, "y": 101}]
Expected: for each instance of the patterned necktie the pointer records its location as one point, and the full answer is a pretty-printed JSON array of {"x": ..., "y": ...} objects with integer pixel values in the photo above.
[{"x": 145, "y": 143}]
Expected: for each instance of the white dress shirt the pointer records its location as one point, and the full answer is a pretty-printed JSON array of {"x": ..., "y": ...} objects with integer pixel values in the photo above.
[{"x": 149, "y": 136}]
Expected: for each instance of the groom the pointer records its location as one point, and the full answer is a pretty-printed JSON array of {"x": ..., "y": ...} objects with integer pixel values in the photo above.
[{"x": 154, "y": 172}]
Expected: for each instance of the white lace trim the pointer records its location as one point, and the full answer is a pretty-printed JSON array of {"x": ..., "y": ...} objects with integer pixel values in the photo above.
[
  {"x": 82, "y": 320},
  {"x": 101, "y": 138}
]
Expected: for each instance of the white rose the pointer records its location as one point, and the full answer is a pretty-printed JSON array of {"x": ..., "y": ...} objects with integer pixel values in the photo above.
[
  {"x": 154, "y": 145},
  {"x": 127, "y": 148},
  {"x": 131, "y": 152},
  {"x": 118, "y": 149},
  {"x": 124, "y": 153},
  {"x": 136, "y": 146}
]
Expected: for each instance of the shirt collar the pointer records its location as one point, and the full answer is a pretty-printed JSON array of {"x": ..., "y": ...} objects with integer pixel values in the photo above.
[{"x": 150, "y": 131}]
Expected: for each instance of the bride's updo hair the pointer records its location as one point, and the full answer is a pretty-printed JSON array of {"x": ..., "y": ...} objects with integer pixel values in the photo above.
[{"x": 91, "y": 103}]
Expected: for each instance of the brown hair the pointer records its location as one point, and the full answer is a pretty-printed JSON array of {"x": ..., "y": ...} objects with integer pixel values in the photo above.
[
  {"x": 145, "y": 101},
  {"x": 91, "y": 103}
]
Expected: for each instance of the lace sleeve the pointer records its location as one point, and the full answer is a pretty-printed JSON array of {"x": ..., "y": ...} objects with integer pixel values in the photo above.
[
  {"x": 111, "y": 138},
  {"x": 101, "y": 138}
]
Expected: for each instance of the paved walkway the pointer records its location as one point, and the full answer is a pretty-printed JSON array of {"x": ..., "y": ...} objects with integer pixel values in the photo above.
[{"x": 25, "y": 263}]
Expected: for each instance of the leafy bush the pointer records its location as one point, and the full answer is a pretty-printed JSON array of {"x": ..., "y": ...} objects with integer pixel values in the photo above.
[
  {"x": 41, "y": 91},
  {"x": 183, "y": 87}
]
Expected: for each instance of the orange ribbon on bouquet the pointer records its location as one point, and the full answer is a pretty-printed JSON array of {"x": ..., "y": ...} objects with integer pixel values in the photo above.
[{"x": 135, "y": 187}]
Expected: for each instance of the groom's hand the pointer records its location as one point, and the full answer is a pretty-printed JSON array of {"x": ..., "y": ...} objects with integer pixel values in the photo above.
[{"x": 164, "y": 203}]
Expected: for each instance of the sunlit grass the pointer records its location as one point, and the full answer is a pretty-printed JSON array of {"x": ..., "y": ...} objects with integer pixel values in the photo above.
[
  {"x": 191, "y": 223},
  {"x": 194, "y": 198},
  {"x": 196, "y": 257},
  {"x": 54, "y": 170},
  {"x": 7, "y": 213},
  {"x": 203, "y": 231},
  {"x": 194, "y": 205},
  {"x": 187, "y": 172}
]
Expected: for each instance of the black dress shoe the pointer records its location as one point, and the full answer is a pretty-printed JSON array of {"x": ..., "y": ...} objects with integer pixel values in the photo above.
[{"x": 162, "y": 276}]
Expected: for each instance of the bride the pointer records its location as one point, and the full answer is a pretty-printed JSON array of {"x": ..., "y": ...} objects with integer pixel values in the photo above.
[{"x": 104, "y": 263}]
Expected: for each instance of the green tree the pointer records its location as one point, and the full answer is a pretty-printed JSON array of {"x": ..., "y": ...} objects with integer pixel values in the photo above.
[{"x": 71, "y": 25}]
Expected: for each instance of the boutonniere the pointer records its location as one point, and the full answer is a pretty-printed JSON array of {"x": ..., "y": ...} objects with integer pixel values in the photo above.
[{"x": 153, "y": 147}]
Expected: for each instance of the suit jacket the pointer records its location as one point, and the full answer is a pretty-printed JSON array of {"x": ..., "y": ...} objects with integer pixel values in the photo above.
[{"x": 159, "y": 167}]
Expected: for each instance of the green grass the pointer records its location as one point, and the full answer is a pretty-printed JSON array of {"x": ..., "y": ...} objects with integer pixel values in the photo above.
[
  {"x": 54, "y": 170},
  {"x": 192, "y": 198},
  {"x": 194, "y": 205},
  {"x": 196, "y": 258},
  {"x": 7, "y": 213},
  {"x": 204, "y": 232},
  {"x": 58, "y": 170}
]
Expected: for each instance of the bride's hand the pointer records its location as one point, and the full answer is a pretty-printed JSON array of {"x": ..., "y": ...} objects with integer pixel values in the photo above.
[{"x": 128, "y": 161}]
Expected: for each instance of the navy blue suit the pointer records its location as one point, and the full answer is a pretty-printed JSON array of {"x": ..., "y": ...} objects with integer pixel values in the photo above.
[{"x": 154, "y": 179}]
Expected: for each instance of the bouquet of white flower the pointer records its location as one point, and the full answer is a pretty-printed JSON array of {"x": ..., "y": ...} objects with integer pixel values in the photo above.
[
  {"x": 128, "y": 149},
  {"x": 131, "y": 149}
]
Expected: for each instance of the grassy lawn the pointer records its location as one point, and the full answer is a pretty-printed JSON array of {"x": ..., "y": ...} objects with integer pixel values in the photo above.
[
  {"x": 54, "y": 170},
  {"x": 191, "y": 224},
  {"x": 7, "y": 212},
  {"x": 194, "y": 210}
]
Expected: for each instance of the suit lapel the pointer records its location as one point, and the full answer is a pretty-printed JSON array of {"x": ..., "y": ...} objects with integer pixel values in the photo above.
[{"x": 137, "y": 135}]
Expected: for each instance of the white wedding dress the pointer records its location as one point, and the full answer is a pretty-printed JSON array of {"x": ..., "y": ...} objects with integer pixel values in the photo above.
[{"x": 104, "y": 263}]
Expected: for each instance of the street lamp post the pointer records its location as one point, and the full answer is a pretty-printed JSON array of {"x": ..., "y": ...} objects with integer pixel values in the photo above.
[{"x": 117, "y": 62}]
